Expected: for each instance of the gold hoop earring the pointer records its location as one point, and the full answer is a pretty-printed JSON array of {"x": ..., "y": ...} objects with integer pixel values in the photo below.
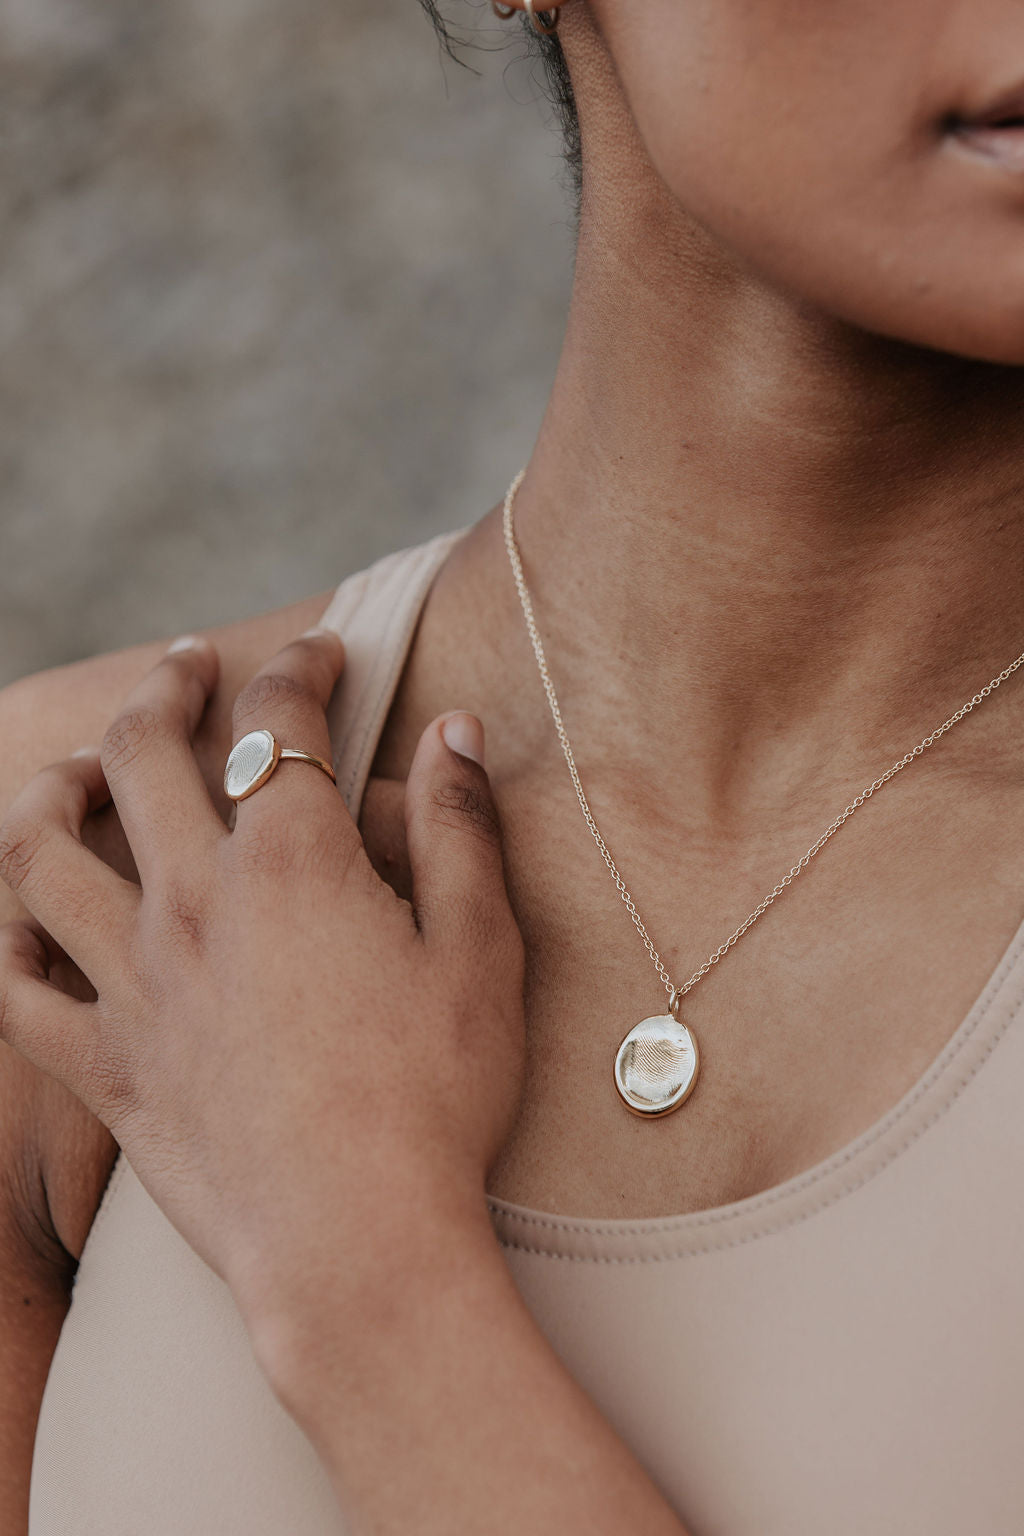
[
  {"x": 535, "y": 17},
  {"x": 503, "y": 12}
]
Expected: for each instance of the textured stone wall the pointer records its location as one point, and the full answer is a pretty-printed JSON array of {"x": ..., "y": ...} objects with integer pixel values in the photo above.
[{"x": 279, "y": 291}]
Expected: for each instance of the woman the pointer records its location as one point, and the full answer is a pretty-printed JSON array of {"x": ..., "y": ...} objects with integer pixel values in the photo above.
[{"x": 771, "y": 533}]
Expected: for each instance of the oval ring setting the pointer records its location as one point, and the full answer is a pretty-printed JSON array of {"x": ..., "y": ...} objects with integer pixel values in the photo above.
[{"x": 253, "y": 759}]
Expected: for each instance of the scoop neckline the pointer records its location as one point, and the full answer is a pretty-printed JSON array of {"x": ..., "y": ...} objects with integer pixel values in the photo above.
[
  {"x": 805, "y": 1194},
  {"x": 624, "y": 1240}
]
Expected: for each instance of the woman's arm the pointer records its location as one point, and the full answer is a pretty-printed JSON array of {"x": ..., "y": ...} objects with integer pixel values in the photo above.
[
  {"x": 437, "y": 1405},
  {"x": 54, "y": 1156},
  {"x": 34, "y": 1289}
]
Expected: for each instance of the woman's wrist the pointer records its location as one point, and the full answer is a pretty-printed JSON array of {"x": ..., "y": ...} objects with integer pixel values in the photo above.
[
  {"x": 335, "y": 1312},
  {"x": 436, "y": 1404}
]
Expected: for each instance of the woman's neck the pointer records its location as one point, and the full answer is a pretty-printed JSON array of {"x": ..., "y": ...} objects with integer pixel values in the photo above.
[{"x": 760, "y": 536}]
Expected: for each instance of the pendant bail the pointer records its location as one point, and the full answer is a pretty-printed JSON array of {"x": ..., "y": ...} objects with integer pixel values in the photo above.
[{"x": 675, "y": 997}]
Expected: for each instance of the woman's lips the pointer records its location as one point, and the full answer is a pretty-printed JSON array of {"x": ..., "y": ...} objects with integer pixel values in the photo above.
[
  {"x": 1000, "y": 142},
  {"x": 996, "y": 132}
]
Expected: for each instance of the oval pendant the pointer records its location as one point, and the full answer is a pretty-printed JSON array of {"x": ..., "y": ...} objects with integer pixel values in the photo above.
[{"x": 656, "y": 1066}]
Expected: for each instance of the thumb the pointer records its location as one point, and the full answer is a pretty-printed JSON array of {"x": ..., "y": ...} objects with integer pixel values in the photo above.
[{"x": 453, "y": 834}]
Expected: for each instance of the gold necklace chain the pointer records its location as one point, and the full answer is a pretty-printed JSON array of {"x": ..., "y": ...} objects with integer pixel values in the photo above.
[{"x": 675, "y": 993}]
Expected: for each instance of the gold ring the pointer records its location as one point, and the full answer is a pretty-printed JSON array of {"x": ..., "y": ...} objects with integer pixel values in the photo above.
[{"x": 253, "y": 759}]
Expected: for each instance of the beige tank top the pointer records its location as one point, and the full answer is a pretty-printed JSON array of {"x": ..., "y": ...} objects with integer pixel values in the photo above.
[{"x": 840, "y": 1355}]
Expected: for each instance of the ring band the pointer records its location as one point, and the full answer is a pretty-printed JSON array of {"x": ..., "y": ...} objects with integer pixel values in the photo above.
[{"x": 253, "y": 759}]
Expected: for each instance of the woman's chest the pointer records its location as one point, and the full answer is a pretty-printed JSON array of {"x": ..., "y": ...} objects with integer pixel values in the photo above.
[{"x": 810, "y": 1029}]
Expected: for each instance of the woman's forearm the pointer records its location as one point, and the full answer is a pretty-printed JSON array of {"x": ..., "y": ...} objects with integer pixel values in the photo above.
[{"x": 439, "y": 1408}]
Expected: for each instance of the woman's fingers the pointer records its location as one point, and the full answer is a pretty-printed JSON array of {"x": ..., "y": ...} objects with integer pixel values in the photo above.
[
  {"x": 82, "y": 902},
  {"x": 454, "y": 839},
  {"x": 288, "y": 697},
  {"x": 147, "y": 756},
  {"x": 56, "y": 1032}
]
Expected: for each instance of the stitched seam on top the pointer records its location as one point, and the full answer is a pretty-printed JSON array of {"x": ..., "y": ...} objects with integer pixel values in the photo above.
[
  {"x": 357, "y": 760},
  {"x": 784, "y": 1192},
  {"x": 406, "y": 610}
]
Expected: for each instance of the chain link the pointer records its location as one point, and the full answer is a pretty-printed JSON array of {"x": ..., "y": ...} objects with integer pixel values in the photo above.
[{"x": 801, "y": 864}]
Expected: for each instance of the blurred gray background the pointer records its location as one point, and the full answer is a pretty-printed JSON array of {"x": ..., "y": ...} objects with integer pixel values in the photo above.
[{"x": 280, "y": 290}]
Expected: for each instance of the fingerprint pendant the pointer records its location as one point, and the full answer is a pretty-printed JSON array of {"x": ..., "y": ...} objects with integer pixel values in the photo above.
[{"x": 656, "y": 1066}]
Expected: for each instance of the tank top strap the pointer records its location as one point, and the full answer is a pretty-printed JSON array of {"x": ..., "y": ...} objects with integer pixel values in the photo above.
[{"x": 375, "y": 612}]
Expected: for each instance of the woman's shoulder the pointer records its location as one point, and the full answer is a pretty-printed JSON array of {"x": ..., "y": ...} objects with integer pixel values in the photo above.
[{"x": 47, "y": 714}]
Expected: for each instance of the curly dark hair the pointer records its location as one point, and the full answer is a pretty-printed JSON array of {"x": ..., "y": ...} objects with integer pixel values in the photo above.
[{"x": 548, "y": 49}]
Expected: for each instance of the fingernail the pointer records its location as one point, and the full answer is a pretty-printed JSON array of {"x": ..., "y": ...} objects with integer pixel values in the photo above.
[
  {"x": 322, "y": 632},
  {"x": 465, "y": 735},
  {"x": 186, "y": 643},
  {"x": 325, "y": 632}
]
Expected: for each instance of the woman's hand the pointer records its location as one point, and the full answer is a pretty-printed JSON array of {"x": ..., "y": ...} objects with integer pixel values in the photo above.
[
  {"x": 293, "y": 1059},
  {"x": 312, "y": 1078}
]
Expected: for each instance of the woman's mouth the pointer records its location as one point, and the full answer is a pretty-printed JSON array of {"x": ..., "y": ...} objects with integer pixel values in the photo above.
[{"x": 997, "y": 133}]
